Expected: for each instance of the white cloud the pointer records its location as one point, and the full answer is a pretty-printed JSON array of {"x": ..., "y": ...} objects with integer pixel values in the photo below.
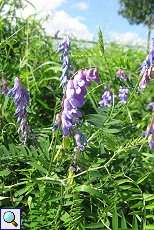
[
  {"x": 82, "y": 6},
  {"x": 45, "y": 5},
  {"x": 67, "y": 24},
  {"x": 128, "y": 38},
  {"x": 58, "y": 20},
  {"x": 40, "y": 7}
]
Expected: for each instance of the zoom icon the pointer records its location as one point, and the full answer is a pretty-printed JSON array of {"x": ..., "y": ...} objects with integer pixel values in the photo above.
[{"x": 10, "y": 219}]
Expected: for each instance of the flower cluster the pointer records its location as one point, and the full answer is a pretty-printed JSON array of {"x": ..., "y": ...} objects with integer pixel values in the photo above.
[
  {"x": 74, "y": 98},
  {"x": 122, "y": 75},
  {"x": 106, "y": 99},
  {"x": 123, "y": 95},
  {"x": 21, "y": 100},
  {"x": 147, "y": 68},
  {"x": 64, "y": 48},
  {"x": 145, "y": 79}
]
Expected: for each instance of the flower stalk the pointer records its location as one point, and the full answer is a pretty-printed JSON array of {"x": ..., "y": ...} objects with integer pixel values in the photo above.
[{"x": 20, "y": 96}]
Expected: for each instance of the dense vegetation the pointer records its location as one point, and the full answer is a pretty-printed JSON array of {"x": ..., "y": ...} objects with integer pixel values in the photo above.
[{"x": 114, "y": 185}]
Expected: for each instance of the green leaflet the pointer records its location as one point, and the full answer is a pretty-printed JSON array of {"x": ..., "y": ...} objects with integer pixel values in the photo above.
[{"x": 115, "y": 219}]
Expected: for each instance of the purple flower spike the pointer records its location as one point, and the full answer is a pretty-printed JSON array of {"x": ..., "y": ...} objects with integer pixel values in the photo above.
[
  {"x": 106, "y": 100},
  {"x": 64, "y": 48},
  {"x": 75, "y": 98},
  {"x": 21, "y": 100},
  {"x": 151, "y": 106},
  {"x": 147, "y": 68},
  {"x": 121, "y": 75},
  {"x": 123, "y": 95}
]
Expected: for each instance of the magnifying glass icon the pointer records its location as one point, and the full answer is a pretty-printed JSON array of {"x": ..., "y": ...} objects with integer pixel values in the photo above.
[{"x": 9, "y": 217}]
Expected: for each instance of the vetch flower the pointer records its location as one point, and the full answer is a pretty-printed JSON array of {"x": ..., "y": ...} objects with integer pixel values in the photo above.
[
  {"x": 75, "y": 98},
  {"x": 21, "y": 100},
  {"x": 64, "y": 48},
  {"x": 106, "y": 99},
  {"x": 150, "y": 106},
  {"x": 67, "y": 124},
  {"x": 122, "y": 75},
  {"x": 80, "y": 140},
  {"x": 147, "y": 68},
  {"x": 123, "y": 95},
  {"x": 145, "y": 79}
]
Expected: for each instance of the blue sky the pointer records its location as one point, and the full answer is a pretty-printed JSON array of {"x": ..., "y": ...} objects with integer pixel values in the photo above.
[
  {"x": 82, "y": 19},
  {"x": 104, "y": 14}
]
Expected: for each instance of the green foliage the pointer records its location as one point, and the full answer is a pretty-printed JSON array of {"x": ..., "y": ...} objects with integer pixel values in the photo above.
[
  {"x": 114, "y": 187},
  {"x": 138, "y": 11}
]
